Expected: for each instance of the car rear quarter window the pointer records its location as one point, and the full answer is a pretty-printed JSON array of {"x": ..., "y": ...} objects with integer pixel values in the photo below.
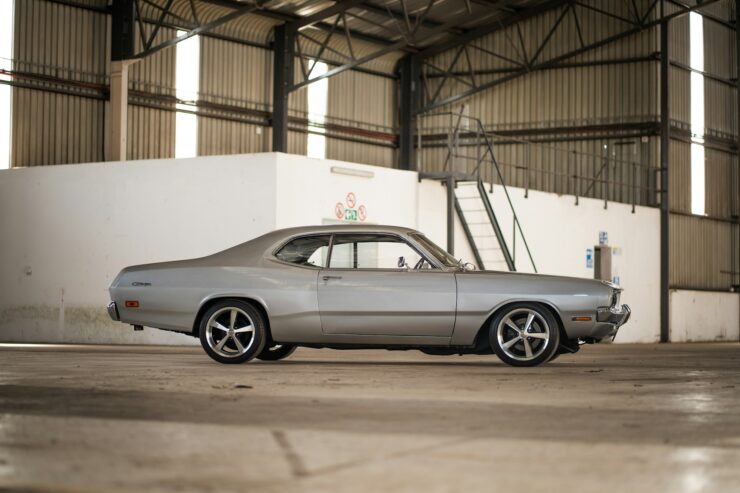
[{"x": 307, "y": 251}]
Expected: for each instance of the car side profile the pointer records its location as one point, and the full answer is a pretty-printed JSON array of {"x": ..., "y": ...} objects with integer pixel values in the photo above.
[{"x": 358, "y": 287}]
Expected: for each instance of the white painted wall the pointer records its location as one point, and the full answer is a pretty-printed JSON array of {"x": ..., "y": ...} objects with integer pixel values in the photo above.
[
  {"x": 74, "y": 227},
  {"x": 309, "y": 191},
  {"x": 68, "y": 230},
  {"x": 704, "y": 316}
]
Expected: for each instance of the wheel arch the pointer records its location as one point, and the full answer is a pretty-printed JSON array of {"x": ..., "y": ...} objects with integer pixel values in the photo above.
[
  {"x": 481, "y": 338},
  {"x": 209, "y": 302}
]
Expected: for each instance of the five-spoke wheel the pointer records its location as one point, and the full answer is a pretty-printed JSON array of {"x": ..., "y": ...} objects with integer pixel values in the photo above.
[
  {"x": 232, "y": 331},
  {"x": 524, "y": 334}
]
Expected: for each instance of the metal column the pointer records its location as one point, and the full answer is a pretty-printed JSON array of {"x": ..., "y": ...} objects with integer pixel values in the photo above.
[
  {"x": 123, "y": 22},
  {"x": 410, "y": 70},
  {"x": 450, "y": 182},
  {"x": 282, "y": 83},
  {"x": 735, "y": 246},
  {"x": 665, "y": 137}
]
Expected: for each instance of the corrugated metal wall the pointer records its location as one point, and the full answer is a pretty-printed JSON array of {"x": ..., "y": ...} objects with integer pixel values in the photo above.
[
  {"x": 704, "y": 251},
  {"x": 237, "y": 96},
  {"x": 58, "y": 42},
  {"x": 151, "y": 122},
  {"x": 362, "y": 102},
  {"x": 573, "y": 112},
  {"x": 700, "y": 252}
]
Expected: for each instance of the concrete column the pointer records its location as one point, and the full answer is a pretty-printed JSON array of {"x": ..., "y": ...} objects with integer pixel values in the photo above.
[{"x": 118, "y": 111}]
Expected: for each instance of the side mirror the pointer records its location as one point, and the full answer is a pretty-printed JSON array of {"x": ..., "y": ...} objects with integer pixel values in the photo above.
[{"x": 402, "y": 262}]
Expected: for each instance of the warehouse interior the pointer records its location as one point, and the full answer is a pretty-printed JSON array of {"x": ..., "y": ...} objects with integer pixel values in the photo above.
[{"x": 582, "y": 138}]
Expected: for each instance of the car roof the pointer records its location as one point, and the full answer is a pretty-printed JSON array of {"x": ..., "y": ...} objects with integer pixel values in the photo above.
[
  {"x": 342, "y": 228},
  {"x": 257, "y": 248}
]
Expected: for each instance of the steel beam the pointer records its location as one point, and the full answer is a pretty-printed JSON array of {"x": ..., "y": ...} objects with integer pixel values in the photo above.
[
  {"x": 335, "y": 9},
  {"x": 282, "y": 80},
  {"x": 665, "y": 137},
  {"x": 547, "y": 64},
  {"x": 451, "y": 198},
  {"x": 151, "y": 49},
  {"x": 408, "y": 99},
  {"x": 735, "y": 244},
  {"x": 123, "y": 29},
  {"x": 397, "y": 45},
  {"x": 490, "y": 27}
]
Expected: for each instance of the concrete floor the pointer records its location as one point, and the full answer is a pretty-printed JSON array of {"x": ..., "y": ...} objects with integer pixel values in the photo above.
[{"x": 613, "y": 417}]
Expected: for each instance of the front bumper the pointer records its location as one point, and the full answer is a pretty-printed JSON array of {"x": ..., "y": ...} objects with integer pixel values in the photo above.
[
  {"x": 609, "y": 320},
  {"x": 113, "y": 311},
  {"x": 615, "y": 315}
]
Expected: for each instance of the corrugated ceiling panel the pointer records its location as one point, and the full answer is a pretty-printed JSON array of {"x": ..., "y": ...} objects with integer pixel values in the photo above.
[{"x": 724, "y": 9}]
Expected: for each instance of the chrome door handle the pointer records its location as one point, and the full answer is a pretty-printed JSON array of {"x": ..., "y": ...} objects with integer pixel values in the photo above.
[{"x": 326, "y": 278}]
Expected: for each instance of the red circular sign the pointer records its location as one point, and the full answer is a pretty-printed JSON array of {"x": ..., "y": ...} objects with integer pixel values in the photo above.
[
  {"x": 362, "y": 213},
  {"x": 339, "y": 210},
  {"x": 351, "y": 200}
]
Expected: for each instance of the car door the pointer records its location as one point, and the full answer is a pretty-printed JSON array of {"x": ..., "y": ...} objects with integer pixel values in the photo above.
[{"x": 364, "y": 291}]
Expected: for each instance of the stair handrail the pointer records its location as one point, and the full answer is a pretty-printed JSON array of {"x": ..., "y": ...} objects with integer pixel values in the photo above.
[{"x": 495, "y": 165}]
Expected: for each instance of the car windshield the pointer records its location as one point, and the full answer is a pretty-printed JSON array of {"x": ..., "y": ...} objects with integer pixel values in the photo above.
[{"x": 438, "y": 252}]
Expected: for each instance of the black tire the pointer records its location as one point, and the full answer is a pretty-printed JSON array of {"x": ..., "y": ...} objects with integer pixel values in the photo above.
[
  {"x": 531, "y": 350},
  {"x": 276, "y": 352},
  {"x": 252, "y": 342}
]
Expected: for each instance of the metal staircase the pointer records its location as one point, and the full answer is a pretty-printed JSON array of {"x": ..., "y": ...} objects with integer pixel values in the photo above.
[
  {"x": 491, "y": 247},
  {"x": 481, "y": 226}
]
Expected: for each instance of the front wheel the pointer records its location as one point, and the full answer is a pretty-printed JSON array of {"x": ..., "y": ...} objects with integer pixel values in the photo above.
[
  {"x": 232, "y": 331},
  {"x": 276, "y": 352},
  {"x": 524, "y": 334}
]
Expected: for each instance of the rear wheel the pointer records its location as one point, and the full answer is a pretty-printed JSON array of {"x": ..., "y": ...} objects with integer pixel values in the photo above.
[
  {"x": 524, "y": 334},
  {"x": 232, "y": 331},
  {"x": 276, "y": 352}
]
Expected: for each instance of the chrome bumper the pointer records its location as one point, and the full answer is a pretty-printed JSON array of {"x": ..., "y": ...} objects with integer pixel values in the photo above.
[
  {"x": 113, "y": 311},
  {"x": 614, "y": 316}
]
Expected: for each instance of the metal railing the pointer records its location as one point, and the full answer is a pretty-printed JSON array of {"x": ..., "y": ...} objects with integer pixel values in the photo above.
[{"x": 467, "y": 147}]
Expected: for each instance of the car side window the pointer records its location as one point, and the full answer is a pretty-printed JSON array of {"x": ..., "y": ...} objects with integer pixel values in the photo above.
[
  {"x": 310, "y": 251},
  {"x": 368, "y": 251}
]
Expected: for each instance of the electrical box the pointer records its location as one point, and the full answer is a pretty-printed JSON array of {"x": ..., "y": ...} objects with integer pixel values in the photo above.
[{"x": 603, "y": 262}]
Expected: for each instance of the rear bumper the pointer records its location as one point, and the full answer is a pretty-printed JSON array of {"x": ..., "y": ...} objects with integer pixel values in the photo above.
[{"x": 113, "y": 311}]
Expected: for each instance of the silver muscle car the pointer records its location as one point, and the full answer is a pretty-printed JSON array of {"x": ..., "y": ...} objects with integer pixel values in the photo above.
[{"x": 363, "y": 286}]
